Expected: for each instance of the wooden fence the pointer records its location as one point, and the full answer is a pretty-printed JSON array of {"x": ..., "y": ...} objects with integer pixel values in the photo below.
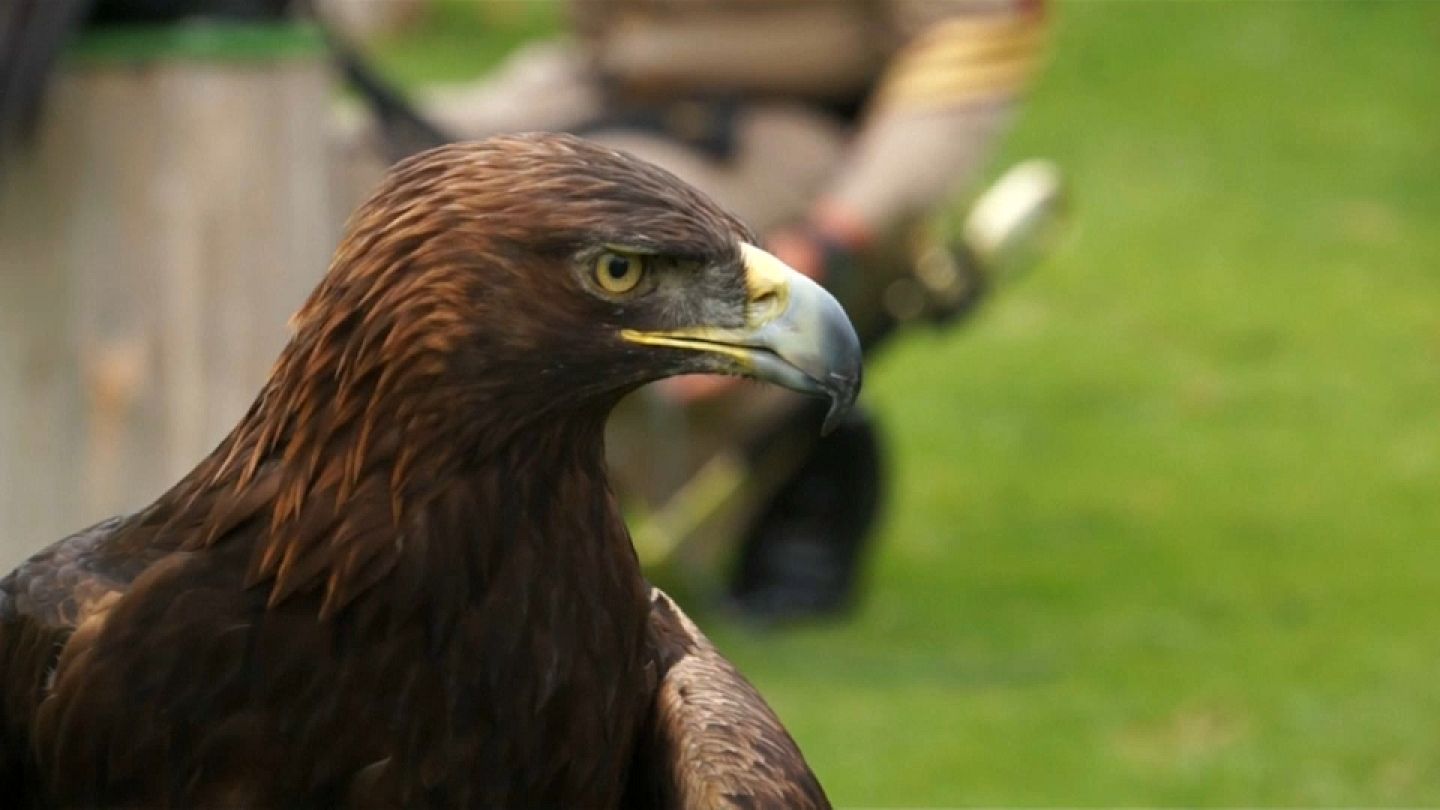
[{"x": 174, "y": 211}]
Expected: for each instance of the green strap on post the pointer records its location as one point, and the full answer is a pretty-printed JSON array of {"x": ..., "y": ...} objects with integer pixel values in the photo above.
[{"x": 201, "y": 41}]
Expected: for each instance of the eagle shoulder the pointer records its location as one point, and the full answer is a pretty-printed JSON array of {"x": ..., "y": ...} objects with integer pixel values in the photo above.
[
  {"x": 59, "y": 586},
  {"x": 69, "y": 586},
  {"x": 713, "y": 742}
]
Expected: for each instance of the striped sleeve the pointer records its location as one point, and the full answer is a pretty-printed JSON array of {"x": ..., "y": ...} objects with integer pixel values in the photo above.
[
  {"x": 964, "y": 59},
  {"x": 940, "y": 104}
]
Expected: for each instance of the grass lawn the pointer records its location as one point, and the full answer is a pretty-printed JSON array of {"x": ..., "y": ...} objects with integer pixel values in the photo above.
[{"x": 1166, "y": 517}]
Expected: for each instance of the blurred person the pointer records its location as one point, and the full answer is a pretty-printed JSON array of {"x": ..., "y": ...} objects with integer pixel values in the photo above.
[{"x": 837, "y": 130}]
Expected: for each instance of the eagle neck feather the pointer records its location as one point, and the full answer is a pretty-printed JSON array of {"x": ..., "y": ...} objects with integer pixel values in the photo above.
[
  {"x": 338, "y": 499},
  {"x": 512, "y": 565}
]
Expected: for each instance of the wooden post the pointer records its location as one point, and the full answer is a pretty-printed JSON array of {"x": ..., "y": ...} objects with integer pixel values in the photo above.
[{"x": 172, "y": 214}]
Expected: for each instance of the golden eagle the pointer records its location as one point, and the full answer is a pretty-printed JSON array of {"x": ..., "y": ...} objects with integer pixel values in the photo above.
[{"x": 402, "y": 579}]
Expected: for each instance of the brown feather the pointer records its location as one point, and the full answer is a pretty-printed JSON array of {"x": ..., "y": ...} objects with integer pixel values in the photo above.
[{"x": 713, "y": 742}]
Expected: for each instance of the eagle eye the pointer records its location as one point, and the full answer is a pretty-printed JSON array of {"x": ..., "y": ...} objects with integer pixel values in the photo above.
[{"x": 618, "y": 272}]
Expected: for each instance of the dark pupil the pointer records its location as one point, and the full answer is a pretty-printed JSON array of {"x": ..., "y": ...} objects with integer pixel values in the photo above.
[{"x": 618, "y": 267}]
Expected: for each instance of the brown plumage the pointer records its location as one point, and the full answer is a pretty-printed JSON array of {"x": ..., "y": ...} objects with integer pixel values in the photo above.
[{"x": 402, "y": 579}]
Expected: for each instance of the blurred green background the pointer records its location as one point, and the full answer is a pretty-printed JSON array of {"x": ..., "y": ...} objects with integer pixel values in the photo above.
[{"x": 1165, "y": 518}]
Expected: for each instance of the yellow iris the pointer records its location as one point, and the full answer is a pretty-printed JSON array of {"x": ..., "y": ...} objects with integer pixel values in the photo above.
[{"x": 617, "y": 272}]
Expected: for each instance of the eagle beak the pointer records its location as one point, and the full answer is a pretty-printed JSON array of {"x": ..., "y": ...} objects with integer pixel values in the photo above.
[{"x": 795, "y": 335}]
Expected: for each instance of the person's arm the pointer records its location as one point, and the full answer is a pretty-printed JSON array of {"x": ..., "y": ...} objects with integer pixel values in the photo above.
[{"x": 940, "y": 103}]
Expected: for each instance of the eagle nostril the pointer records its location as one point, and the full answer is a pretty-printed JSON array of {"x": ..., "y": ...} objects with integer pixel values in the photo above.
[{"x": 765, "y": 305}]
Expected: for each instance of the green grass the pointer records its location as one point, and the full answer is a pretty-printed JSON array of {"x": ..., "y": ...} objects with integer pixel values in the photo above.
[
  {"x": 1165, "y": 525},
  {"x": 457, "y": 40}
]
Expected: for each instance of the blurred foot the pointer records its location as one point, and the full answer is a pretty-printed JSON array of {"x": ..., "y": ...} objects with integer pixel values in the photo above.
[{"x": 801, "y": 559}]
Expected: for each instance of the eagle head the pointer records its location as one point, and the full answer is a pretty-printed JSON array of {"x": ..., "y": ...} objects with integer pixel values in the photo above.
[{"x": 543, "y": 272}]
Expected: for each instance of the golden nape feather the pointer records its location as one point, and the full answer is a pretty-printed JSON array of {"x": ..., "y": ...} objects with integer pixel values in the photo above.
[{"x": 402, "y": 579}]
